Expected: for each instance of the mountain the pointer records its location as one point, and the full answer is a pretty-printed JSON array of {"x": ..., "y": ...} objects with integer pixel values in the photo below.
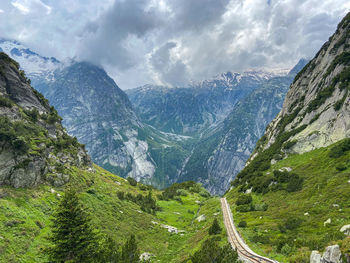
[
  {"x": 190, "y": 110},
  {"x": 222, "y": 153},
  {"x": 35, "y": 65},
  {"x": 101, "y": 116},
  {"x": 34, "y": 146},
  {"x": 297, "y": 179}
]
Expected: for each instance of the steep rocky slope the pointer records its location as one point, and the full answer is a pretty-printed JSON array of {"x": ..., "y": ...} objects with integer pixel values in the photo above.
[
  {"x": 295, "y": 187},
  {"x": 192, "y": 109},
  {"x": 222, "y": 153},
  {"x": 100, "y": 115},
  {"x": 316, "y": 110},
  {"x": 34, "y": 146}
]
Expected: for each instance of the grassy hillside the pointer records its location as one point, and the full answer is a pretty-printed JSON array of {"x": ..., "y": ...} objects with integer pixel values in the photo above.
[
  {"x": 25, "y": 217},
  {"x": 297, "y": 210}
]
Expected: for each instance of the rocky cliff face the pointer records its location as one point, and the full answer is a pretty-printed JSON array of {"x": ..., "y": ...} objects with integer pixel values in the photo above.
[
  {"x": 316, "y": 111},
  {"x": 100, "y": 115},
  {"x": 222, "y": 154},
  {"x": 34, "y": 146}
]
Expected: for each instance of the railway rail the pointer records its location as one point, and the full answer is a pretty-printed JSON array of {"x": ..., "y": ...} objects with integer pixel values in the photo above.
[{"x": 236, "y": 241}]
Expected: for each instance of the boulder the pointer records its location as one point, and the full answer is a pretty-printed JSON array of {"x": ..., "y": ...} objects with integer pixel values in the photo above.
[
  {"x": 315, "y": 257},
  {"x": 345, "y": 229},
  {"x": 332, "y": 255}
]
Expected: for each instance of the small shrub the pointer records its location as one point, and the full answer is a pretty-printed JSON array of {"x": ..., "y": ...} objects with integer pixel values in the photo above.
[
  {"x": 132, "y": 181},
  {"x": 286, "y": 250},
  {"x": 204, "y": 193},
  {"x": 244, "y": 199},
  {"x": 242, "y": 224},
  {"x": 295, "y": 184},
  {"x": 341, "y": 167},
  {"x": 5, "y": 102},
  {"x": 142, "y": 187},
  {"x": 289, "y": 144},
  {"x": 91, "y": 191},
  {"x": 121, "y": 195},
  {"x": 244, "y": 208},
  {"x": 181, "y": 192},
  {"x": 292, "y": 223},
  {"x": 340, "y": 149},
  {"x": 260, "y": 207}
]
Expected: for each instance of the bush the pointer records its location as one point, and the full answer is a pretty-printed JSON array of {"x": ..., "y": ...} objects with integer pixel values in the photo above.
[
  {"x": 143, "y": 187},
  {"x": 204, "y": 193},
  {"x": 340, "y": 149},
  {"x": 260, "y": 207},
  {"x": 244, "y": 199},
  {"x": 132, "y": 181},
  {"x": 292, "y": 223},
  {"x": 5, "y": 102},
  {"x": 286, "y": 250},
  {"x": 32, "y": 114},
  {"x": 295, "y": 183},
  {"x": 341, "y": 167},
  {"x": 181, "y": 192},
  {"x": 242, "y": 224},
  {"x": 289, "y": 144},
  {"x": 244, "y": 208}
]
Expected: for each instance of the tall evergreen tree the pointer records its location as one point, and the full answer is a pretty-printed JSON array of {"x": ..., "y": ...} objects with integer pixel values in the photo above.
[
  {"x": 215, "y": 228},
  {"x": 73, "y": 238},
  {"x": 130, "y": 253}
]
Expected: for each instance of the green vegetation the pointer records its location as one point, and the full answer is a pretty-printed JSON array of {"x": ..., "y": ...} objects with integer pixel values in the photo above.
[
  {"x": 212, "y": 252},
  {"x": 5, "y": 102},
  {"x": 298, "y": 203},
  {"x": 340, "y": 149},
  {"x": 132, "y": 181},
  {"x": 215, "y": 228},
  {"x": 73, "y": 237},
  {"x": 25, "y": 218}
]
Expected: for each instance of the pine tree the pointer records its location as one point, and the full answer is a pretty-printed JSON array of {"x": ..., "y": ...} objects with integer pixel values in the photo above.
[
  {"x": 215, "y": 228},
  {"x": 228, "y": 254},
  {"x": 73, "y": 238},
  {"x": 130, "y": 253}
]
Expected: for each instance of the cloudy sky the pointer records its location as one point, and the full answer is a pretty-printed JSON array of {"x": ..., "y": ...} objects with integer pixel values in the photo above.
[{"x": 171, "y": 42}]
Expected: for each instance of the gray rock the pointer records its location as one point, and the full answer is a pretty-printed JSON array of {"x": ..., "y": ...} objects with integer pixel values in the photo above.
[
  {"x": 315, "y": 257},
  {"x": 332, "y": 255},
  {"x": 345, "y": 229}
]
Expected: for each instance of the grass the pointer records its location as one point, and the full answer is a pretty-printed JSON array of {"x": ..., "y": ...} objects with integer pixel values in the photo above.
[
  {"x": 325, "y": 194},
  {"x": 25, "y": 218}
]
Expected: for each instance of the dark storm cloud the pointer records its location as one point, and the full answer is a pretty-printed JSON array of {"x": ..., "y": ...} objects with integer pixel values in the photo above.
[
  {"x": 172, "y": 42},
  {"x": 106, "y": 39}
]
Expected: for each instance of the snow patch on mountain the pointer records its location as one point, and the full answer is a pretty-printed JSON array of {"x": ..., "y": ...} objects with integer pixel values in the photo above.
[{"x": 35, "y": 65}]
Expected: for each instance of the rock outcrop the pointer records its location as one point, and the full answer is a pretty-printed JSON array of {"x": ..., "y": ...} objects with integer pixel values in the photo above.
[
  {"x": 34, "y": 147},
  {"x": 332, "y": 254}
]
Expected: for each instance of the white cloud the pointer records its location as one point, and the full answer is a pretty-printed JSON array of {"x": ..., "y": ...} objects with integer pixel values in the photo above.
[
  {"x": 1, "y": 11},
  {"x": 131, "y": 38},
  {"x": 21, "y": 7},
  {"x": 31, "y": 6}
]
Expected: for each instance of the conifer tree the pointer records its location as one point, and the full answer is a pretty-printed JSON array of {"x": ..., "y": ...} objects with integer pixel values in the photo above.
[
  {"x": 215, "y": 228},
  {"x": 130, "y": 253},
  {"x": 73, "y": 238}
]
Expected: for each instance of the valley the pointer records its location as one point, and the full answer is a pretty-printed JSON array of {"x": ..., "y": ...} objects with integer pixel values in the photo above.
[{"x": 239, "y": 167}]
